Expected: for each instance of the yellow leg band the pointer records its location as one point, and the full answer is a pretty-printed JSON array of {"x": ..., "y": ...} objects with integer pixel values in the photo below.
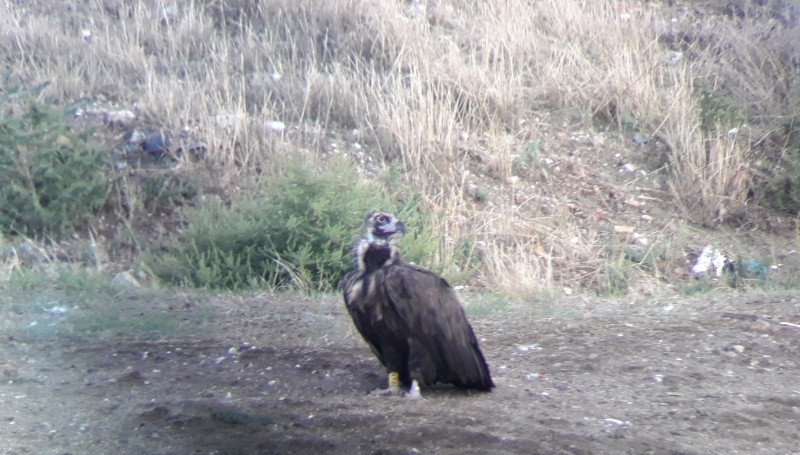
[{"x": 394, "y": 380}]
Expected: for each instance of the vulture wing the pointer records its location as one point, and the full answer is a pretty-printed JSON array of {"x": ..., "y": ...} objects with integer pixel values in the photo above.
[{"x": 439, "y": 336}]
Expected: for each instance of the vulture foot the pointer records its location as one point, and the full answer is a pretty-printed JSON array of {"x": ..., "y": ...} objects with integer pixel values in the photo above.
[
  {"x": 414, "y": 393},
  {"x": 392, "y": 391}
]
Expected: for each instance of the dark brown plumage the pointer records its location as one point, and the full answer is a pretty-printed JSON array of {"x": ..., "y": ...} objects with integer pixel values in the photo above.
[{"x": 410, "y": 317}]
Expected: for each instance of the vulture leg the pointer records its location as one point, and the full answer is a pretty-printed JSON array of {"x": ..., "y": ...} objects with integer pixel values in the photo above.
[
  {"x": 394, "y": 388},
  {"x": 421, "y": 368},
  {"x": 394, "y": 384}
]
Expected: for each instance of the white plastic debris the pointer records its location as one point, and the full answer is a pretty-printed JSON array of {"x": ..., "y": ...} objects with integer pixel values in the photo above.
[
  {"x": 709, "y": 257},
  {"x": 617, "y": 422},
  {"x": 275, "y": 126}
]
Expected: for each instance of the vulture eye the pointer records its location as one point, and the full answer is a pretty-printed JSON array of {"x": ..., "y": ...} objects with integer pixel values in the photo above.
[{"x": 382, "y": 219}]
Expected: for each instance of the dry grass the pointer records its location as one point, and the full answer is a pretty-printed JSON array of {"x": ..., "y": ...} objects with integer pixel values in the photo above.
[{"x": 420, "y": 87}]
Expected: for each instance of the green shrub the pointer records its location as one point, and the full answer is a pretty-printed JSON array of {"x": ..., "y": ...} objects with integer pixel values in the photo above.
[
  {"x": 52, "y": 176},
  {"x": 782, "y": 191},
  {"x": 165, "y": 191},
  {"x": 297, "y": 231},
  {"x": 718, "y": 111}
]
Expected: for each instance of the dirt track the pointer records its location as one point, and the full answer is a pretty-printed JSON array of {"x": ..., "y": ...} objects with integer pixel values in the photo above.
[{"x": 277, "y": 375}]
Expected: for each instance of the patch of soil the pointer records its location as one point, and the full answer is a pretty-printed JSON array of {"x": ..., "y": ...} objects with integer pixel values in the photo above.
[{"x": 278, "y": 375}]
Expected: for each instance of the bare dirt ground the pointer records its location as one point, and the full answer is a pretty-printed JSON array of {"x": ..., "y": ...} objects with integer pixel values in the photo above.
[{"x": 289, "y": 375}]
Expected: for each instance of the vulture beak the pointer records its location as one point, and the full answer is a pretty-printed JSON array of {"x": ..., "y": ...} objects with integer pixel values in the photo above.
[{"x": 393, "y": 227}]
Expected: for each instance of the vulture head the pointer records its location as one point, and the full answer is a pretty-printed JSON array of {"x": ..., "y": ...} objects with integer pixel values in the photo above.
[
  {"x": 380, "y": 226},
  {"x": 376, "y": 247}
]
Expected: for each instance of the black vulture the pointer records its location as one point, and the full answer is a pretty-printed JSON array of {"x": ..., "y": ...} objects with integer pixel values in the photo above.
[{"x": 410, "y": 317}]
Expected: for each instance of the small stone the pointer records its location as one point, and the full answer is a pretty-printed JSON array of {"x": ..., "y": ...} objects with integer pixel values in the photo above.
[
  {"x": 125, "y": 280},
  {"x": 122, "y": 117}
]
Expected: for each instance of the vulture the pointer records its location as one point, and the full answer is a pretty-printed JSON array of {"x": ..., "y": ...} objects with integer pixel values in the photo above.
[{"x": 409, "y": 316}]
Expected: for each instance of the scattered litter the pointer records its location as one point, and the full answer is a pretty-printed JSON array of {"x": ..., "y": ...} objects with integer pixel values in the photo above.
[
  {"x": 709, "y": 257},
  {"x": 617, "y": 422},
  {"x": 790, "y": 325},
  {"x": 752, "y": 269},
  {"x": 122, "y": 117},
  {"x": 58, "y": 310},
  {"x": 528, "y": 347},
  {"x": 125, "y": 280},
  {"x": 275, "y": 126}
]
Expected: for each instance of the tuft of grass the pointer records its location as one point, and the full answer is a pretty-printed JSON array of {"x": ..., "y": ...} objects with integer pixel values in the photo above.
[{"x": 53, "y": 179}]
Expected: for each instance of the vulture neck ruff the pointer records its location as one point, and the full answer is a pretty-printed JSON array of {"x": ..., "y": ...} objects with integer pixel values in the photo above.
[{"x": 373, "y": 254}]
